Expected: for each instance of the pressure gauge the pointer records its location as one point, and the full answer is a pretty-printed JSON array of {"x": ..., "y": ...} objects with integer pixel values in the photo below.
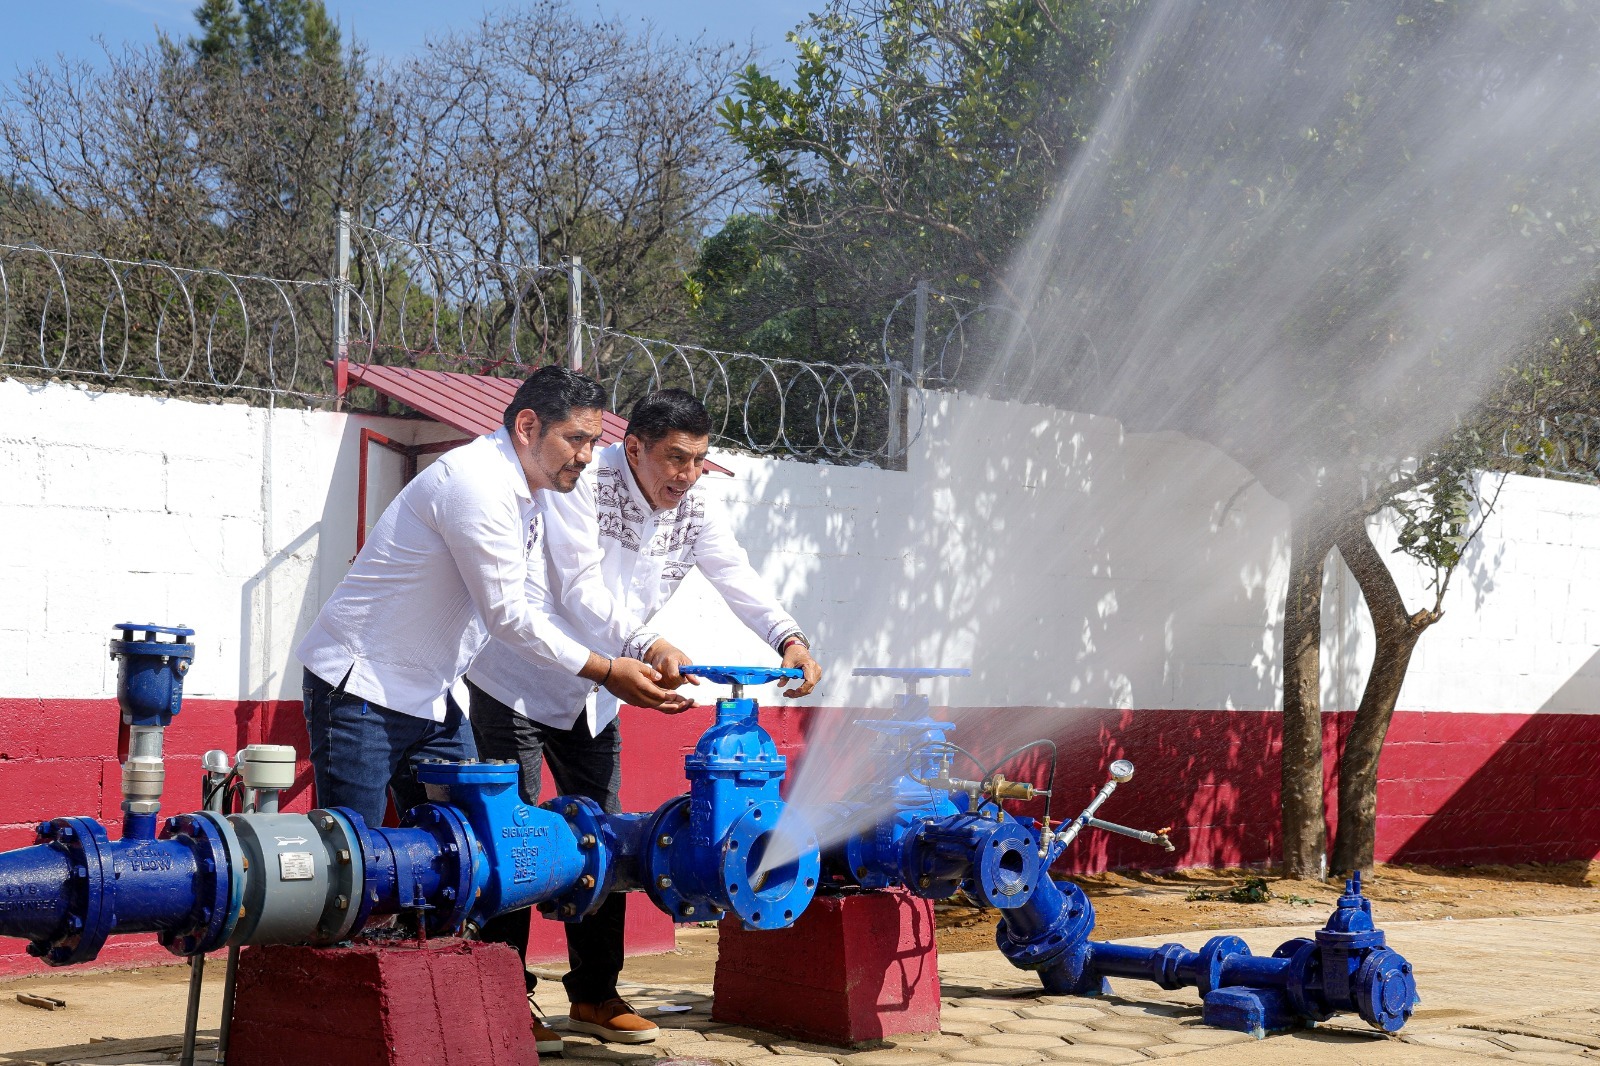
[{"x": 1121, "y": 770}]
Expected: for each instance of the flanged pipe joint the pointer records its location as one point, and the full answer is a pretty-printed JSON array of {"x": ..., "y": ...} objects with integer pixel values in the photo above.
[{"x": 725, "y": 847}]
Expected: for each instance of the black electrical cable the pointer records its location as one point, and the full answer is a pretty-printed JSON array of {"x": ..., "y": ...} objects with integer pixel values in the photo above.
[
  {"x": 1054, "y": 757},
  {"x": 222, "y": 783}
]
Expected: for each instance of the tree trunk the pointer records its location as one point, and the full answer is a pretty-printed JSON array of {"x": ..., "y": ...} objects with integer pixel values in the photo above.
[
  {"x": 1397, "y": 635},
  {"x": 1304, "y": 821}
]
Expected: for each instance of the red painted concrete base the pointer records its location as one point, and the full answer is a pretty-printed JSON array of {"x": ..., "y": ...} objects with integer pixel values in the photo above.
[
  {"x": 442, "y": 1003},
  {"x": 852, "y": 969}
]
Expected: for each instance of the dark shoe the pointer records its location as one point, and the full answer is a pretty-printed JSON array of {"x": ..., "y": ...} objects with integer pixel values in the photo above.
[
  {"x": 546, "y": 1041},
  {"x": 612, "y": 1020}
]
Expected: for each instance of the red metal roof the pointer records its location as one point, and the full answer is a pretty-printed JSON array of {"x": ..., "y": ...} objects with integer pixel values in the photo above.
[{"x": 472, "y": 403}]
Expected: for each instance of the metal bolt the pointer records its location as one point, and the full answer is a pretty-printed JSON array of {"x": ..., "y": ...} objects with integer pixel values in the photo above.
[
  {"x": 861, "y": 873},
  {"x": 325, "y": 822},
  {"x": 664, "y": 840},
  {"x": 66, "y": 832},
  {"x": 449, "y": 893},
  {"x": 569, "y": 910},
  {"x": 341, "y": 902},
  {"x": 586, "y": 841},
  {"x": 663, "y": 881},
  {"x": 344, "y": 855},
  {"x": 570, "y": 810},
  {"x": 686, "y": 909},
  {"x": 924, "y": 881},
  {"x": 586, "y": 881}
]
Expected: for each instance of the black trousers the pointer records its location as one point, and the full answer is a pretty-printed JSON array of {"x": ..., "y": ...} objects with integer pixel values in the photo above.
[{"x": 582, "y": 765}]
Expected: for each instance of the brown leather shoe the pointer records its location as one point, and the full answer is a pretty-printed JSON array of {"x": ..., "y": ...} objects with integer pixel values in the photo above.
[
  {"x": 612, "y": 1020},
  {"x": 546, "y": 1041}
]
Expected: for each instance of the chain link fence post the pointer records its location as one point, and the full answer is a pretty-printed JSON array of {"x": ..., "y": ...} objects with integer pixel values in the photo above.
[
  {"x": 575, "y": 313},
  {"x": 919, "y": 335},
  {"x": 341, "y": 311}
]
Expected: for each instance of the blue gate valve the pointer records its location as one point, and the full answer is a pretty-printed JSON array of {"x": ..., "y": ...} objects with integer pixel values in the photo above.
[
  {"x": 1346, "y": 967},
  {"x": 726, "y": 847}
]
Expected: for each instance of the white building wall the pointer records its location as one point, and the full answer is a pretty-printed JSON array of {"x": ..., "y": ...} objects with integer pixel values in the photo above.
[{"x": 1065, "y": 562}]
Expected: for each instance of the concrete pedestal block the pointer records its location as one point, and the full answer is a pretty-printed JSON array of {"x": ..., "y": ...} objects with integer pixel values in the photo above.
[
  {"x": 445, "y": 1002},
  {"x": 853, "y": 969}
]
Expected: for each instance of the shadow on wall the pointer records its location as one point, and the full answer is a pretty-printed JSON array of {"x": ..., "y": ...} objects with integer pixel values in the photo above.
[
  {"x": 1065, "y": 562},
  {"x": 1505, "y": 788},
  {"x": 1118, "y": 594}
]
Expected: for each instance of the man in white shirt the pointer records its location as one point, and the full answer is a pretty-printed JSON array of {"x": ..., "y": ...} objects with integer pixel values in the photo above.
[
  {"x": 445, "y": 568},
  {"x": 618, "y": 546}
]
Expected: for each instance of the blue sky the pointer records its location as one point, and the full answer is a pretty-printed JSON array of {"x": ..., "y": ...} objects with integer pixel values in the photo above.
[{"x": 35, "y": 30}]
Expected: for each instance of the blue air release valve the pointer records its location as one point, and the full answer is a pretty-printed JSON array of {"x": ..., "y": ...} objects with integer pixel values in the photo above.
[{"x": 150, "y": 674}]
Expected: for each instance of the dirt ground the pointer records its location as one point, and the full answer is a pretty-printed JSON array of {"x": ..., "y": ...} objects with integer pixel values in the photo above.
[{"x": 1144, "y": 904}]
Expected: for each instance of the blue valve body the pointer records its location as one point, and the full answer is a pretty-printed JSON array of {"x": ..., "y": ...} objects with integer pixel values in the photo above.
[{"x": 151, "y": 671}]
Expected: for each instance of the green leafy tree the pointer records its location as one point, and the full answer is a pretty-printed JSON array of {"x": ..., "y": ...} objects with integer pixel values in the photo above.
[
  {"x": 1276, "y": 240},
  {"x": 919, "y": 139}
]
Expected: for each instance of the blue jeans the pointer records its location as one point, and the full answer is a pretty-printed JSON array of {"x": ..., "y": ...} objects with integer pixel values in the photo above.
[{"x": 361, "y": 752}]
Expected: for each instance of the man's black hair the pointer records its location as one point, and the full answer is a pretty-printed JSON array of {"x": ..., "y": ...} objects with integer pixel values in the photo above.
[
  {"x": 665, "y": 410},
  {"x": 552, "y": 392}
]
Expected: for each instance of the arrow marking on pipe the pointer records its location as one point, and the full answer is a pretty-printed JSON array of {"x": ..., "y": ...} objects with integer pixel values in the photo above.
[{"x": 290, "y": 840}]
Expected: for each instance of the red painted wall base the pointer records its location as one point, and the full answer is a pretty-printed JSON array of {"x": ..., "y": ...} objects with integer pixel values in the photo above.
[
  {"x": 441, "y": 1003},
  {"x": 853, "y": 969},
  {"x": 1453, "y": 787}
]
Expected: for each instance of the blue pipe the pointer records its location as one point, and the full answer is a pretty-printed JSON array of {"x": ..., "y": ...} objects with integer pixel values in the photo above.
[{"x": 476, "y": 850}]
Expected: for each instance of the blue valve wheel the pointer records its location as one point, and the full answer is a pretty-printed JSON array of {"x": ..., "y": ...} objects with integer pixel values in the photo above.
[{"x": 744, "y": 675}]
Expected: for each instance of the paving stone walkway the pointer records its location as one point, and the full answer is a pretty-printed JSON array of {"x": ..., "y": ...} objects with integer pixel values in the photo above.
[{"x": 1517, "y": 991}]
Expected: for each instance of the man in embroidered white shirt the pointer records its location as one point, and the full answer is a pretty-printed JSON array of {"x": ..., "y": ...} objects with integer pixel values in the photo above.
[
  {"x": 617, "y": 548},
  {"x": 444, "y": 568}
]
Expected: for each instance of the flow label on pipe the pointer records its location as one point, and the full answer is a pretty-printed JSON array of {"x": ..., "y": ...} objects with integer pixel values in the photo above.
[{"x": 295, "y": 866}]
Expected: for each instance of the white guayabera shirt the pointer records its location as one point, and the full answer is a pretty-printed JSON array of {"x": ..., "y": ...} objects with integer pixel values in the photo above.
[
  {"x": 445, "y": 568},
  {"x": 612, "y": 563}
]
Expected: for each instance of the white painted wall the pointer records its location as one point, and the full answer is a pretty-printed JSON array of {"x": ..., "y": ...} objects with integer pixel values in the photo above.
[
  {"x": 1065, "y": 562},
  {"x": 236, "y": 521}
]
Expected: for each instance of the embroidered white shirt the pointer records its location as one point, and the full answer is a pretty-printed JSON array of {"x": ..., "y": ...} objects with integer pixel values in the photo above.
[
  {"x": 611, "y": 563},
  {"x": 444, "y": 568}
]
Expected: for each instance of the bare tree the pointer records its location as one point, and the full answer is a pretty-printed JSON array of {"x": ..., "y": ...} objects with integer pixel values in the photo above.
[
  {"x": 161, "y": 153},
  {"x": 540, "y": 134}
]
